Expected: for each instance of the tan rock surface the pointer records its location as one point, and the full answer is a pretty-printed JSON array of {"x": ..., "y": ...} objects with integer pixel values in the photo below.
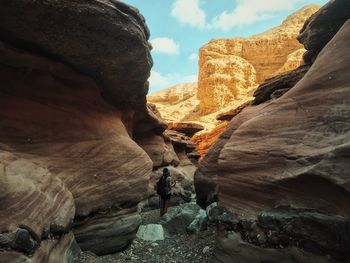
[
  {"x": 291, "y": 151},
  {"x": 230, "y": 68},
  {"x": 68, "y": 127},
  {"x": 206, "y": 139},
  {"x": 229, "y": 72},
  {"x": 176, "y": 103}
]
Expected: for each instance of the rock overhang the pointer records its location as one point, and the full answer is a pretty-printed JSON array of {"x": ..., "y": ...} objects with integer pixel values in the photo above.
[{"x": 107, "y": 40}]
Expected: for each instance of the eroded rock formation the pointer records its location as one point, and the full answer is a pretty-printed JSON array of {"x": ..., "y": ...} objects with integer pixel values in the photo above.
[
  {"x": 230, "y": 68},
  {"x": 289, "y": 155},
  {"x": 176, "y": 103},
  {"x": 72, "y": 112},
  {"x": 229, "y": 72}
]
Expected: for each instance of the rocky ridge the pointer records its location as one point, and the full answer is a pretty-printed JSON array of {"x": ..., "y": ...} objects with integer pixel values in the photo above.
[
  {"x": 254, "y": 59},
  {"x": 279, "y": 169},
  {"x": 220, "y": 88}
]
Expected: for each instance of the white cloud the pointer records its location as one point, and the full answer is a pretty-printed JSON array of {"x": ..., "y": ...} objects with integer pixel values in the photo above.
[
  {"x": 190, "y": 78},
  {"x": 165, "y": 45},
  {"x": 250, "y": 11},
  {"x": 189, "y": 12},
  {"x": 193, "y": 56},
  {"x": 158, "y": 80}
]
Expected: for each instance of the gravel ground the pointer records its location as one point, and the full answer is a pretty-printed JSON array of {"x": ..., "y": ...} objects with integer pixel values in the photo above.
[{"x": 177, "y": 248}]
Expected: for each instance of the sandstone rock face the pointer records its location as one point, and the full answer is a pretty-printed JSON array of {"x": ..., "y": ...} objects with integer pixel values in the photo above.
[
  {"x": 322, "y": 26},
  {"x": 68, "y": 156},
  {"x": 177, "y": 102},
  {"x": 205, "y": 140},
  {"x": 171, "y": 149},
  {"x": 122, "y": 61},
  {"x": 303, "y": 140},
  {"x": 188, "y": 128},
  {"x": 229, "y": 72},
  {"x": 75, "y": 138},
  {"x": 90, "y": 237},
  {"x": 277, "y": 86},
  {"x": 288, "y": 152},
  {"x": 230, "y": 68}
]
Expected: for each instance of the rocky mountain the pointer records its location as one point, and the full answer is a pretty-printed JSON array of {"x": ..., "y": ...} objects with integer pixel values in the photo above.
[
  {"x": 79, "y": 147},
  {"x": 229, "y": 72},
  {"x": 229, "y": 69},
  {"x": 279, "y": 170}
]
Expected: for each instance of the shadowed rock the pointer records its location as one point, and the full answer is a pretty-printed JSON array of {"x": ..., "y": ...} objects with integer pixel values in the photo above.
[
  {"x": 104, "y": 39},
  {"x": 281, "y": 83},
  {"x": 67, "y": 153},
  {"x": 321, "y": 27},
  {"x": 188, "y": 128},
  {"x": 291, "y": 151},
  {"x": 106, "y": 235}
]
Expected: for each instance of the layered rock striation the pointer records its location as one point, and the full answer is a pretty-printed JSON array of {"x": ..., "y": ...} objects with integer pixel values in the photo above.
[
  {"x": 279, "y": 168},
  {"x": 72, "y": 115},
  {"x": 229, "y": 69}
]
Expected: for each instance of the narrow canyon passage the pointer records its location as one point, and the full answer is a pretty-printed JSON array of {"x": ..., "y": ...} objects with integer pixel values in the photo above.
[{"x": 252, "y": 154}]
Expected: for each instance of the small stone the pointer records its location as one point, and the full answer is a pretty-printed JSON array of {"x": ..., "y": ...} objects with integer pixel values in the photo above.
[
  {"x": 206, "y": 249},
  {"x": 154, "y": 244}
]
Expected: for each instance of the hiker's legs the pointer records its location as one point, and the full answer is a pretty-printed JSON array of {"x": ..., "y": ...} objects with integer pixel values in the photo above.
[
  {"x": 161, "y": 206},
  {"x": 166, "y": 205}
]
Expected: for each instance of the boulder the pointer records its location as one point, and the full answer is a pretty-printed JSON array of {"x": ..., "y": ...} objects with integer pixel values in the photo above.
[
  {"x": 178, "y": 218},
  {"x": 231, "y": 248},
  {"x": 308, "y": 229},
  {"x": 151, "y": 232},
  {"x": 63, "y": 250},
  {"x": 199, "y": 223},
  {"x": 107, "y": 234}
]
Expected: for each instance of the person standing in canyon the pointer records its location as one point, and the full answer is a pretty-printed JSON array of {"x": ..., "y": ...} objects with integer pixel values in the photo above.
[{"x": 164, "y": 186}]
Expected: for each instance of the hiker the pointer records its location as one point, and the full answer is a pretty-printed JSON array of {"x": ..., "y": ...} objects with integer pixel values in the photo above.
[{"x": 163, "y": 187}]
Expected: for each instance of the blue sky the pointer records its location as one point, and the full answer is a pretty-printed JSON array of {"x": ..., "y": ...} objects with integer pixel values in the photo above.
[{"x": 180, "y": 27}]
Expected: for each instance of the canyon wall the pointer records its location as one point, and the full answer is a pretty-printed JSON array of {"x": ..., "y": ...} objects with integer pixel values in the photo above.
[
  {"x": 229, "y": 69},
  {"x": 72, "y": 111},
  {"x": 280, "y": 167},
  {"x": 176, "y": 103},
  {"x": 229, "y": 72}
]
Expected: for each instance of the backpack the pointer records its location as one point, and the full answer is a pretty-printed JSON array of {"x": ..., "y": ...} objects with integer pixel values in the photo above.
[{"x": 161, "y": 186}]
